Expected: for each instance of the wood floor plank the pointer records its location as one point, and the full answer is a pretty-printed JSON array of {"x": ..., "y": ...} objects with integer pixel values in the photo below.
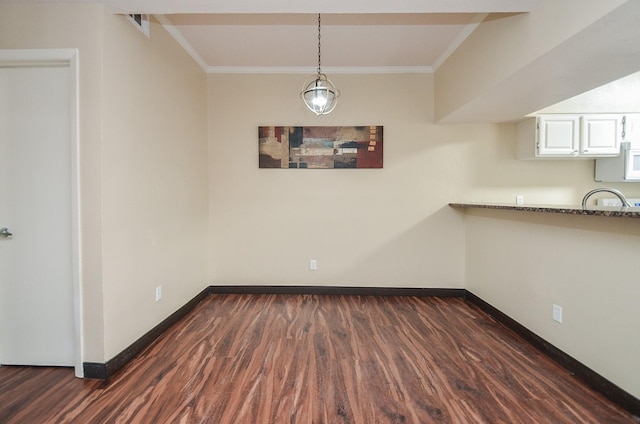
[{"x": 318, "y": 359}]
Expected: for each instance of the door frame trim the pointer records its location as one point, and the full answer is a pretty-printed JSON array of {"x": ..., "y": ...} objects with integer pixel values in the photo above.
[{"x": 65, "y": 58}]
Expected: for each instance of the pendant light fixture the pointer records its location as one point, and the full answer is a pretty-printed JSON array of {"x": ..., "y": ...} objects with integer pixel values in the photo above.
[{"x": 320, "y": 95}]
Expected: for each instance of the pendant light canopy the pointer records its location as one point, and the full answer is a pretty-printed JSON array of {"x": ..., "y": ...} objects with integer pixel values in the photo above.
[{"x": 320, "y": 95}]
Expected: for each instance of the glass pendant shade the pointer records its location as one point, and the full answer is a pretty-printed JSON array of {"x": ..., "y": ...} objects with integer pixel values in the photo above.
[{"x": 320, "y": 95}]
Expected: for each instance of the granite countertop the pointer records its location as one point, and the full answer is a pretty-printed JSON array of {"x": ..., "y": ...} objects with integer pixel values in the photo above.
[{"x": 611, "y": 211}]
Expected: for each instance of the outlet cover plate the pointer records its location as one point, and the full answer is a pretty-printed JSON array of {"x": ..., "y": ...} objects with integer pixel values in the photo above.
[{"x": 557, "y": 313}]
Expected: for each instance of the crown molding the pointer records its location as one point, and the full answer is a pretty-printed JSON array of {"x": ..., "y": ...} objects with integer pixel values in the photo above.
[
  {"x": 466, "y": 32},
  {"x": 177, "y": 35},
  {"x": 314, "y": 70}
]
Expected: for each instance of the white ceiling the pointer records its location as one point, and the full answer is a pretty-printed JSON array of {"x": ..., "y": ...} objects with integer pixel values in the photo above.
[
  {"x": 281, "y": 35},
  {"x": 277, "y": 41}
]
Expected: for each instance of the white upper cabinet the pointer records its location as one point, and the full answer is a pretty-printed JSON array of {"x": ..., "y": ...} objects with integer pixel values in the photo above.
[
  {"x": 567, "y": 136},
  {"x": 631, "y": 129},
  {"x": 558, "y": 135},
  {"x": 600, "y": 135}
]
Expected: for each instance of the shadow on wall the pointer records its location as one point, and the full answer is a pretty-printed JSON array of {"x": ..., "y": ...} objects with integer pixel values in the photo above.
[
  {"x": 627, "y": 227},
  {"x": 428, "y": 254}
]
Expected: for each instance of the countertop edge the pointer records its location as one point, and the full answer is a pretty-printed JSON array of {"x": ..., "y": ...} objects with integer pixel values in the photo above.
[{"x": 619, "y": 212}]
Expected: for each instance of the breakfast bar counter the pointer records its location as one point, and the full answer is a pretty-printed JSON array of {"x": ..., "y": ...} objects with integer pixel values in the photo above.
[{"x": 607, "y": 211}]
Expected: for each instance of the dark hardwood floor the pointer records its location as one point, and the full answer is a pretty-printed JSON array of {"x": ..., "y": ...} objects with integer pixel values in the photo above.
[{"x": 318, "y": 359}]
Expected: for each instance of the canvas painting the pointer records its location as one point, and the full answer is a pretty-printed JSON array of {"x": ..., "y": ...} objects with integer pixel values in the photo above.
[{"x": 320, "y": 147}]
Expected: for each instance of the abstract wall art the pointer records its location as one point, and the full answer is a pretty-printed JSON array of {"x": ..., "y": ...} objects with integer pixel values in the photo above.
[{"x": 320, "y": 147}]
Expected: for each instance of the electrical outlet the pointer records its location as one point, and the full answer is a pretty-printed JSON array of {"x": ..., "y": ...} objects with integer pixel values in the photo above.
[
  {"x": 557, "y": 313},
  {"x": 313, "y": 265},
  {"x": 519, "y": 200},
  {"x": 158, "y": 293}
]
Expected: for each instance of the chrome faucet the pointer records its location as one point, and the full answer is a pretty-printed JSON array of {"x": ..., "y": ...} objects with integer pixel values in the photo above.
[{"x": 607, "y": 190}]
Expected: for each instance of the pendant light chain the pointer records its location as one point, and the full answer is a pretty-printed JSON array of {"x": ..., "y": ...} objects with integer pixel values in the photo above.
[
  {"x": 319, "y": 71},
  {"x": 320, "y": 95}
]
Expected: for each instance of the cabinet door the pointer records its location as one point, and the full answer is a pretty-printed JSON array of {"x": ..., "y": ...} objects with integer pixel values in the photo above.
[
  {"x": 558, "y": 135},
  {"x": 600, "y": 135},
  {"x": 631, "y": 130}
]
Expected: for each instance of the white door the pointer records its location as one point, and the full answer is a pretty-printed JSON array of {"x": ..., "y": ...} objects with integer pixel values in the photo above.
[{"x": 36, "y": 282}]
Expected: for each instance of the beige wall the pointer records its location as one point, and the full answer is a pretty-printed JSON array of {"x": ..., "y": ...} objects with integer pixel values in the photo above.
[
  {"x": 143, "y": 170},
  {"x": 388, "y": 227},
  {"x": 155, "y": 207},
  {"x": 522, "y": 263},
  {"x": 377, "y": 227}
]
